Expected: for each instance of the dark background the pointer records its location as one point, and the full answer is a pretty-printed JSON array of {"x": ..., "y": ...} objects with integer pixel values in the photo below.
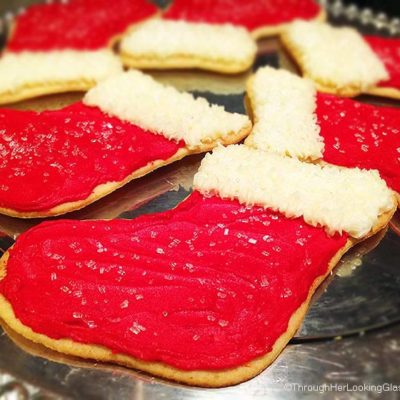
[{"x": 391, "y": 7}]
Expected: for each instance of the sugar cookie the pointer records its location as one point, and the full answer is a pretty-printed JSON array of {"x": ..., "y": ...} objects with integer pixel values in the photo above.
[
  {"x": 163, "y": 44},
  {"x": 229, "y": 281},
  {"x": 338, "y": 60},
  {"x": 63, "y": 46},
  {"x": 126, "y": 127},
  {"x": 299, "y": 122}
]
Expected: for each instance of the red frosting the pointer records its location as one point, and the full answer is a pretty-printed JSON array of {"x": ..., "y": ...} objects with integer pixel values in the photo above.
[
  {"x": 209, "y": 285},
  {"x": 251, "y": 14},
  {"x": 361, "y": 135},
  {"x": 54, "y": 157},
  {"x": 77, "y": 24},
  {"x": 388, "y": 50}
]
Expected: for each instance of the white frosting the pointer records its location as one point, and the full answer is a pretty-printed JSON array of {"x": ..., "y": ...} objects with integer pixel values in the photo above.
[
  {"x": 340, "y": 199},
  {"x": 137, "y": 98},
  {"x": 26, "y": 69},
  {"x": 162, "y": 38},
  {"x": 284, "y": 108},
  {"x": 335, "y": 55}
]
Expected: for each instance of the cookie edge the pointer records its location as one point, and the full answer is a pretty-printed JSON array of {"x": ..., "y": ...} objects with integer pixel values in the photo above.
[
  {"x": 388, "y": 92},
  {"x": 183, "y": 61}
]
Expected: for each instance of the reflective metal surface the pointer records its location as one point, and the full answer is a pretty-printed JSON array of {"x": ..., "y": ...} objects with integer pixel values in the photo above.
[
  {"x": 371, "y": 359},
  {"x": 360, "y": 302}
]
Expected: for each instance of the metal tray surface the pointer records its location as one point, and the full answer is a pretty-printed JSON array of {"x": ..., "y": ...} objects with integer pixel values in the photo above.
[{"x": 349, "y": 336}]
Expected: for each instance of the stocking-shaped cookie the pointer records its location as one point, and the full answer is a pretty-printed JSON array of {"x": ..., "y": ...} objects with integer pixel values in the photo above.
[
  {"x": 64, "y": 46},
  {"x": 291, "y": 118},
  {"x": 58, "y": 161},
  {"x": 208, "y": 293}
]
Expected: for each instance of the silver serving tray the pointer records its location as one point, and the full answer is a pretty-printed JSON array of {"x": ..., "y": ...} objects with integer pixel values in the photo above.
[{"x": 349, "y": 336}]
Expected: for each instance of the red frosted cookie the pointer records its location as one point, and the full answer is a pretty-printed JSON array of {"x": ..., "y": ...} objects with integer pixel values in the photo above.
[
  {"x": 262, "y": 18},
  {"x": 66, "y": 159},
  {"x": 62, "y": 156},
  {"x": 76, "y": 24},
  {"x": 361, "y": 135},
  {"x": 388, "y": 50},
  {"x": 291, "y": 118},
  {"x": 230, "y": 282},
  {"x": 65, "y": 46}
]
